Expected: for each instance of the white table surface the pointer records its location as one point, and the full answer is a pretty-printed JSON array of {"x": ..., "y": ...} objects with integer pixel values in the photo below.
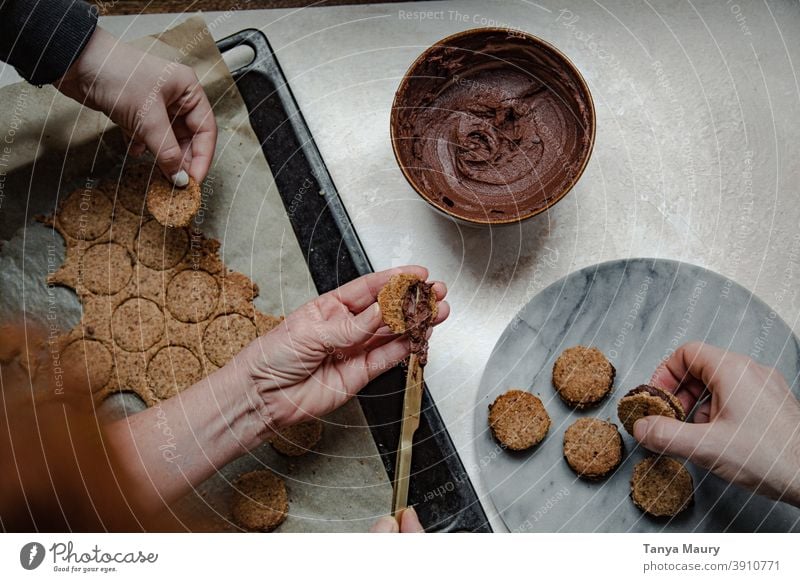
[{"x": 697, "y": 153}]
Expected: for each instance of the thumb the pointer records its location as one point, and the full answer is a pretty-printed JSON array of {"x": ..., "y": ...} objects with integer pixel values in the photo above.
[
  {"x": 354, "y": 331},
  {"x": 157, "y": 134},
  {"x": 670, "y": 436},
  {"x": 386, "y": 524},
  {"x": 409, "y": 522}
]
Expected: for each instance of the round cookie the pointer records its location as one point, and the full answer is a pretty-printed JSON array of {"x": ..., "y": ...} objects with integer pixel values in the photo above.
[
  {"x": 661, "y": 486},
  {"x": 137, "y": 324},
  {"x": 192, "y": 295},
  {"x": 646, "y": 400},
  {"x": 390, "y": 300},
  {"x": 105, "y": 268},
  {"x": 593, "y": 448},
  {"x": 132, "y": 187},
  {"x": 518, "y": 420},
  {"x": 171, "y": 370},
  {"x": 583, "y": 376},
  {"x": 260, "y": 501},
  {"x": 226, "y": 336},
  {"x": 159, "y": 247},
  {"x": 85, "y": 214},
  {"x": 172, "y": 206},
  {"x": 297, "y": 439}
]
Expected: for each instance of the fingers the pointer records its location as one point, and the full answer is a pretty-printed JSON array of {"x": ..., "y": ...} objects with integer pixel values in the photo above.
[
  {"x": 357, "y": 295},
  {"x": 156, "y": 132},
  {"x": 690, "y": 369},
  {"x": 386, "y": 524},
  {"x": 200, "y": 121},
  {"x": 386, "y": 357},
  {"x": 409, "y": 522},
  {"x": 673, "y": 437},
  {"x": 688, "y": 390},
  {"x": 353, "y": 331},
  {"x": 137, "y": 149},
  {"x": 443, "y": 312}
]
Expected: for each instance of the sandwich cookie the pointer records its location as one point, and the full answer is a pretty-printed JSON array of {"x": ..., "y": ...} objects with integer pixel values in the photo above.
[{"x": 646, "y": 400}]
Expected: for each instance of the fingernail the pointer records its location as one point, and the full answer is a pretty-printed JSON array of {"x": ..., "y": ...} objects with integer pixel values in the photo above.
[{"x": 181, "y": 179}]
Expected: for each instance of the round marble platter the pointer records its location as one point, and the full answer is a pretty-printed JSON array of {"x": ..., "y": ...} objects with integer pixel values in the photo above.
[{"x": 637, "y": 312}]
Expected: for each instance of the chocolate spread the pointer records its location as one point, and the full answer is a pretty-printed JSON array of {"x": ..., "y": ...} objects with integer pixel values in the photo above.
[
  {"x": 417, "y": 316},
  {"x": 492, "y": 126},
  {"x": 652, "y": 391}
]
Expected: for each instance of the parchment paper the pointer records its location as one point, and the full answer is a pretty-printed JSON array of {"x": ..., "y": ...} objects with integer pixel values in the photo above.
[{"x": 50, "y": 145}]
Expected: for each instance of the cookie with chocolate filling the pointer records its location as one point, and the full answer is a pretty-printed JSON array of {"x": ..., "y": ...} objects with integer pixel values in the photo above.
[
  {"x": 661, "y": 486},
  {"x": 592, "y": 448},
  {"x": 646, "y": 400},
  {"x": 408, "y": 305},
  {"x": 518, "y": 420},
  {"x": 583, "y": 376}
]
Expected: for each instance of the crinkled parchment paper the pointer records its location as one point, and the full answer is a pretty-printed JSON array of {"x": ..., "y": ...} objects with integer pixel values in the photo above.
[{"x": 49, "y": 145}]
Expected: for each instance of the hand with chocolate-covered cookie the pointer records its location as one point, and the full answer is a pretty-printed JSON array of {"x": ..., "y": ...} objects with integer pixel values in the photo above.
[
  {"x": 327, "y": 350},
  {"x": 318, "y": 358},
  {"x": 747, "y": 432},
  {"x": 158, "y": 104}
]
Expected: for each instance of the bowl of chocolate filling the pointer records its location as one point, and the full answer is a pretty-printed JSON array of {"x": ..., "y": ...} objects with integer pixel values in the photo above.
[{"x": 492, "y": 126}]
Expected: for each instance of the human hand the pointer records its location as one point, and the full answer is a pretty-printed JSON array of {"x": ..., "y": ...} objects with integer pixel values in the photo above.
[
  {"x": 748, "y": 432},
  {"x": 326, "y": 351},
  {"x": 158, "y": 104},
  {"x": 409, "y": 523}
]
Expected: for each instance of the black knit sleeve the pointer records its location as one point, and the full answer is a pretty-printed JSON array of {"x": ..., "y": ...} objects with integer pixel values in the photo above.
[{"x": 42, "y": 38}]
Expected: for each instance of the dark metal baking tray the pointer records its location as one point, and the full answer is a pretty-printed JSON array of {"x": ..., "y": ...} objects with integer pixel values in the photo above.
[{"x": 440, "y": 489}]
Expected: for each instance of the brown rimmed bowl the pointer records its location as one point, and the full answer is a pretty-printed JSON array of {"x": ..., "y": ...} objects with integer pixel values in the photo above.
[{"x": 492, "y": 126}]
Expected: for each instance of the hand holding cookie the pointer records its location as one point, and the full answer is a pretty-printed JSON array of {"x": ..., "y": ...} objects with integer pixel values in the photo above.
[
  {"x": 746, "y": 432},
  {"x": 328, "y": 350},
  {"x": 159, "y": 105}
]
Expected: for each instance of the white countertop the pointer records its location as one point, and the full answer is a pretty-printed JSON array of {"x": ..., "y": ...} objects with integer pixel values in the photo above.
[{"x": 697, "y": 155}]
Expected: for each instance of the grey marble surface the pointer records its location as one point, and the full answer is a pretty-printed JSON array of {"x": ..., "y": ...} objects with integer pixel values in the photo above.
[{"x": 637, "y": 312}]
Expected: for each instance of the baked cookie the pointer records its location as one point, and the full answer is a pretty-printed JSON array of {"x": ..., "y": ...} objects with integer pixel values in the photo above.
[
  {"x": 392, "y": 297},
  {"x": 593, "y": 448},
  {"x": 583, "y": 376},
  {"x": 260, "y": 501},
  {"x": 297, "y": 439},
  {"x": 172, "y": 206},
  {"x": 646, "y": 400},
  {"x": 661, "y": 486},
  {"x": 408, "y": 305},
  {"x": 518, "y": 420}
]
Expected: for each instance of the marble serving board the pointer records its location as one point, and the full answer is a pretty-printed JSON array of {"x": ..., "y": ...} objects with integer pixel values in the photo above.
[{"x": 637, "y": 312}]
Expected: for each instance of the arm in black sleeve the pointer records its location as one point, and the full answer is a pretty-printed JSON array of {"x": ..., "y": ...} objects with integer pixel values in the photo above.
[{"x": 42, "y": 38}]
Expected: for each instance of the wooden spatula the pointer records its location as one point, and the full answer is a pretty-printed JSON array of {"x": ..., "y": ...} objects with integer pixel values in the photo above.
[{"x": 412, "y": 403}]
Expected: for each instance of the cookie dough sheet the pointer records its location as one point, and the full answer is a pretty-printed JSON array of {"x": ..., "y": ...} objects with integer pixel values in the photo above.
[
  {"x": 55, "y": 147},
  {"x": 636, "y": 312}
]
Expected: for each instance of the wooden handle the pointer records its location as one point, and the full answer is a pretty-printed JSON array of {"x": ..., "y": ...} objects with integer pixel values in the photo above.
[{"x": 412, "y": 404}]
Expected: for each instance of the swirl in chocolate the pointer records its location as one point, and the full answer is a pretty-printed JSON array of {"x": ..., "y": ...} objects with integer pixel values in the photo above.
[{"x": 492, "y": 126}]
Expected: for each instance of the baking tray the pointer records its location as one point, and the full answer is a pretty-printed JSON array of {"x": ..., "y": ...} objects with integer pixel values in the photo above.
[{"x": 440, "y": 489}]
